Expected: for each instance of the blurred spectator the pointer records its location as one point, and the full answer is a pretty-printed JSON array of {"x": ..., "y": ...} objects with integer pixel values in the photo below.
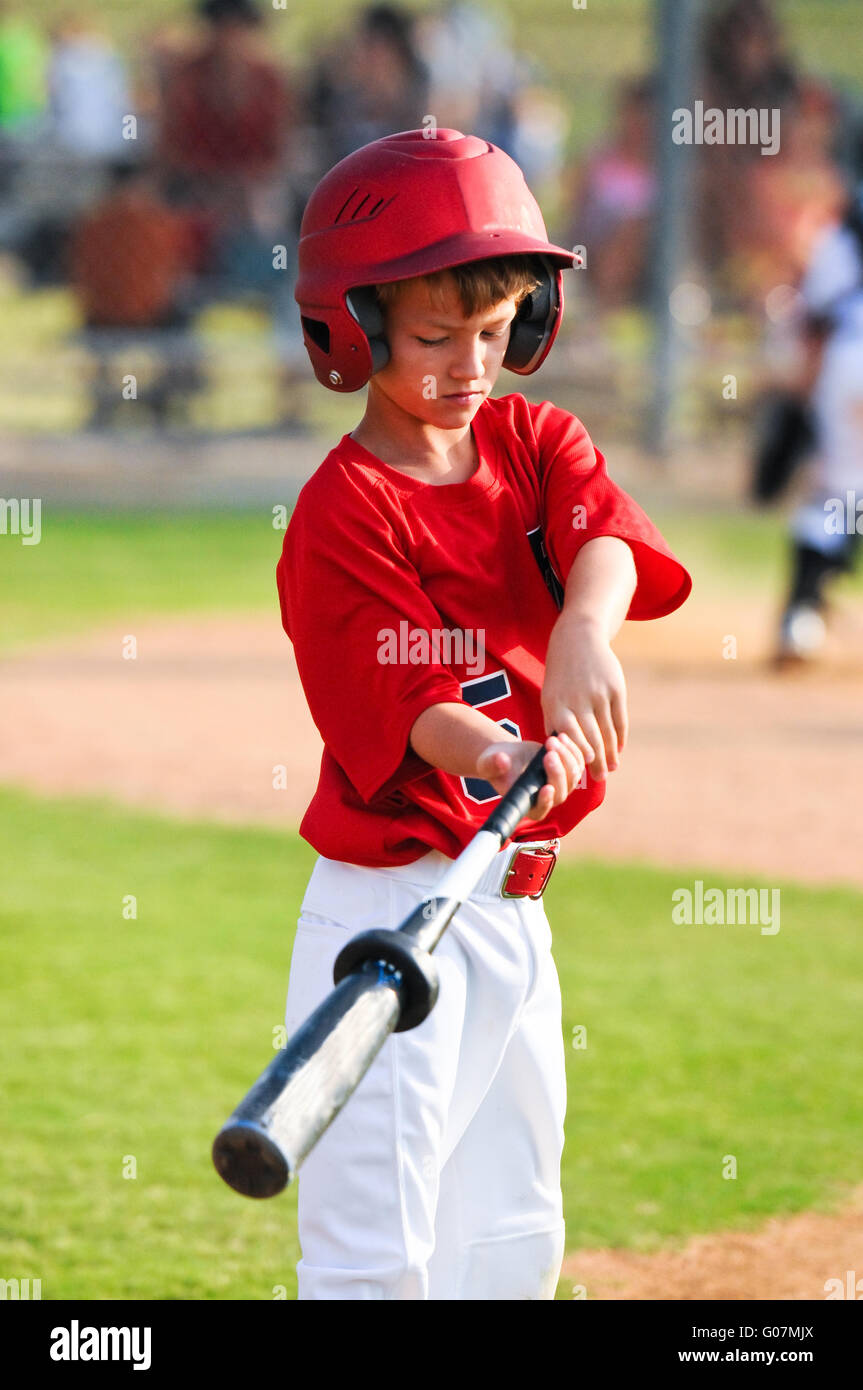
[
  {"x": 371, "y": 84},
  {"x": 613, "y": 199},
  {"x": 538, "y": 138},
  {"x": 130, "y": 260},
  {"x": 225, "y": 105},
  {"x": 745, "y": 59},
  {"x": 758, "y": 214},
  {"x": 54, "y": 168},
  {"x": 23, "y": 59},
  {"x": 130, "y": 255},
  {"x": 88, "y": 93},
  {"x": 222, "y": 146},
  {"x": 166, "y": 45},
  {"x": 787, "y": 201},
  {"x": 473, "y": 74}
]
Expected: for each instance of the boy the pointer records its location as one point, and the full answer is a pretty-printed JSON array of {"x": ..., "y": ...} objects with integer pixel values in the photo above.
[{"x": 451, "y": 579}]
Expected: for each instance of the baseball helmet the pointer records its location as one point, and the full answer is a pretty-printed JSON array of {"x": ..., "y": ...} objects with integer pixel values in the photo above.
[{"x": 412, "y": 204}]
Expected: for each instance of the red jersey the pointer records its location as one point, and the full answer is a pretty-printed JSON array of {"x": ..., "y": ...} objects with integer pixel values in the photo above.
[{"x": 399, "y": 594}]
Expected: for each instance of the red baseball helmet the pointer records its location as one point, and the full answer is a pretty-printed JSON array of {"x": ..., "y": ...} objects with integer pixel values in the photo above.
[{"x": 411, "y": 204}]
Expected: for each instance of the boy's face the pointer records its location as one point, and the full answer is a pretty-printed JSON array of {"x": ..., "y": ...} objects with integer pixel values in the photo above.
[{"x": 442, "y": 365}]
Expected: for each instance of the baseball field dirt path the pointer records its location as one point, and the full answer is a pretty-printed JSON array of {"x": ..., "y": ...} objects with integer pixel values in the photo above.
[
  {"x": 788, "y": 1259},
  {"x": 728, "y": 765}
]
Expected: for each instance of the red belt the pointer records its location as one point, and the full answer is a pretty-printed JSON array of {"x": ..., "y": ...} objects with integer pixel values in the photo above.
[{"x": 528, "y": 871}]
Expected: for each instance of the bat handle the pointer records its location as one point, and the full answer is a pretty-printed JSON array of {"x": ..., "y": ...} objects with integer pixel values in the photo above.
[
  {"x": 514, "y": 806},
  {"x": 401, "y": 950}
]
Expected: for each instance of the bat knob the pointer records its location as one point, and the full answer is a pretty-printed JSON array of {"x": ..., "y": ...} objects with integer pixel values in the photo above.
[
  {"x": 395, "y": 951},
  {"x": 249, "y": 1160}
]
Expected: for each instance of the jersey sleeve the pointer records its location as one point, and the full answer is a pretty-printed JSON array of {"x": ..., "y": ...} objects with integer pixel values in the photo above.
[
  {"x": 580, "y": 501},
  {"x": 345, "y": 586}
]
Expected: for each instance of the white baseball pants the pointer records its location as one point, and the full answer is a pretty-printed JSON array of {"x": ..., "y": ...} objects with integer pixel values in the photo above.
[{"x": 441, "y": 1177}]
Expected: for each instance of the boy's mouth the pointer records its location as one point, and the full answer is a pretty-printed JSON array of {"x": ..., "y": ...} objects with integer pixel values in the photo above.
[{"x": 464, "y": 397}]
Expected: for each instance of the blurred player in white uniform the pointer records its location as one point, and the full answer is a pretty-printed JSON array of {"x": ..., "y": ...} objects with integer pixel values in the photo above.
[{"x": 824, "y": 528}]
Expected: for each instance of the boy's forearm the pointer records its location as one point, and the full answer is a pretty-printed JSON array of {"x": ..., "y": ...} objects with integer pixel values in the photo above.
[
  {"x": 599, "y": 590},
  {"x": 600, "y": 586},
  {"x": 452, "y": 737}
]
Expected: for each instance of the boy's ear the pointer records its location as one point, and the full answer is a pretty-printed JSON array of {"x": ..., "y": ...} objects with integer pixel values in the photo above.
[{"x": 365, "y": 308}]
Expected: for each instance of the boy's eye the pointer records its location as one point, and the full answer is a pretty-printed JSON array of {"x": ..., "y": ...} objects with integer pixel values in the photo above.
[{"x": 436, "y": 342}]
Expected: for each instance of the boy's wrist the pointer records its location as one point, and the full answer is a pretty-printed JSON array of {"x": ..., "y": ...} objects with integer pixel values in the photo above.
[{"x": 580, "y": 624}]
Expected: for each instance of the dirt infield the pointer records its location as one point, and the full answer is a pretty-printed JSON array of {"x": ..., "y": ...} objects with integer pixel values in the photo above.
[
  {"x": 790, "y": 1259},
  {"x": 728, "y": 765}
]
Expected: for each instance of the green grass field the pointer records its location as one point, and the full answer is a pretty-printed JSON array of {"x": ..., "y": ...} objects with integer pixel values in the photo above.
[
  {"x": 131, "y": 1038},
  {"x": 97, "y": 568},
  {"x": 94, "y": 568}
]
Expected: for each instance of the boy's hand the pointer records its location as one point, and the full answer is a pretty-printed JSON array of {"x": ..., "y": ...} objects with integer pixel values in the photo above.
[
  {"x": 584, "y": 694},
  {"x": 502, "y": 763}
]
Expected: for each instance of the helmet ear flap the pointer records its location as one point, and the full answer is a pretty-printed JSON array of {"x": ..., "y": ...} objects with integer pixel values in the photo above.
[
  {"x": 535, "y": 323},
  {"x": 363, "y": 305}
]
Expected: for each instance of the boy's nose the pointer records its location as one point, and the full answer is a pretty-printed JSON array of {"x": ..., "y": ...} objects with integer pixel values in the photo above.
[{"x": 469, "y": 362}]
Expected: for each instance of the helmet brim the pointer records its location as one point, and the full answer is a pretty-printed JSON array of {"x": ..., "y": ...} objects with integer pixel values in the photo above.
[{"x": 466, "y": 247}]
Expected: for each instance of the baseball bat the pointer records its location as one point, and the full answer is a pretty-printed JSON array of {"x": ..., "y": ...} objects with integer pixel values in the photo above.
[{"x": 385, "y": 982}]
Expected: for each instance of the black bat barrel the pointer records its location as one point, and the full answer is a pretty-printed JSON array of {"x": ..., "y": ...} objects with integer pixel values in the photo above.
[
  {"x": 386, "y": 981},
  {"x": 266, "y": 1139}
]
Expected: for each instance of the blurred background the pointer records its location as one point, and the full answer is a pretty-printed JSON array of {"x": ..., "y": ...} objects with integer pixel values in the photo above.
[
  {"x": 155, "y": 161},
  {"x": 158, "y": 416}
]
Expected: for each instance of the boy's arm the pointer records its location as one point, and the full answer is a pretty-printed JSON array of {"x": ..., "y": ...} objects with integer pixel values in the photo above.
[
  {"x": 463, "y": 741},
  {"x": 583, "y": 695},
  {"x": 584, "y": 692}
]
